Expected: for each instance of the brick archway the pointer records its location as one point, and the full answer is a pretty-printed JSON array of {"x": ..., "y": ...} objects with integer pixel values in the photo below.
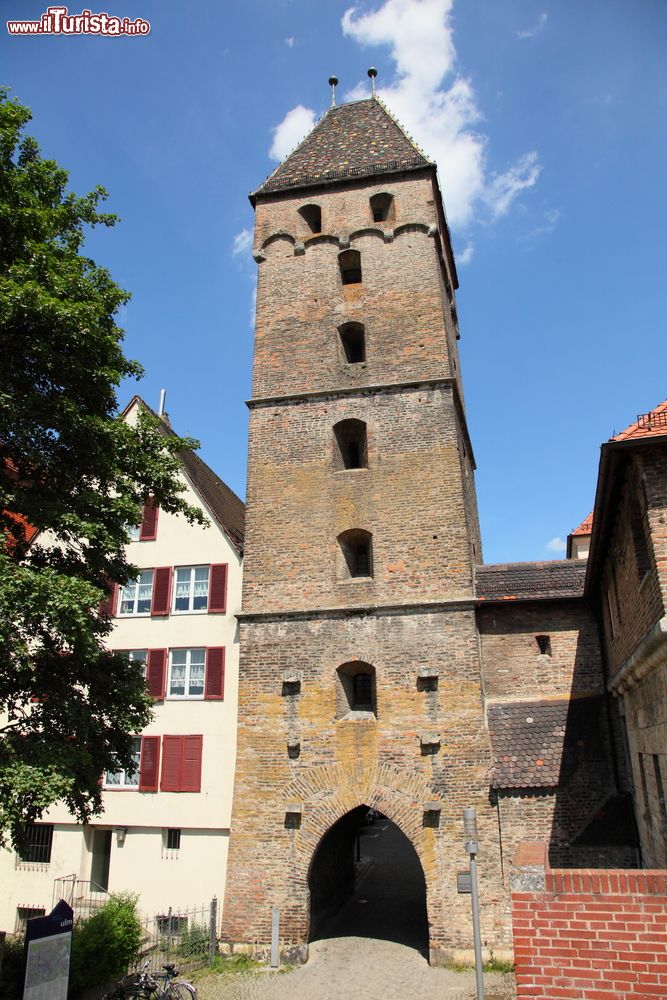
[{"x": 330, "y": 792}]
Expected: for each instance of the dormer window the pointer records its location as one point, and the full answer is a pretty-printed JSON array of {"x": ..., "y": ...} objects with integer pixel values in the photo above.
[
  {"x": 353, "y": 342},
  {"x": 312, "y": 216},
  {"x": 382, "y": 207},
  {"x": 349, "y": 262},
  {"x": 350, "y": 445}
]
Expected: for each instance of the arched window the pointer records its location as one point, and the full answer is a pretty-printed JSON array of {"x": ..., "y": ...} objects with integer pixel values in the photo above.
[
  {"x": 382, "y": 207},
  {"x": 356, "y": 548},
  {"x": 355, "y": 688},
  {"x": 353, "y": 342},
  {"x": 349, "y": 262},
  {"x": 350, "y": 445},
  {"x": 312, "y": 216}
]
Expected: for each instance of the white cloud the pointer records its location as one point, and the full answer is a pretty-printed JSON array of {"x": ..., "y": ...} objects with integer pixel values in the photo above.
[
  {"x": 437, "y": 105},
  {"x": 289, "y": 42},
  {"x": 465, "y": 256},
  {"x": 556, "y": 545},
  {"x": 502, "y": 189},
  {"x": 242, "y": 242},
  {"x": 294, "y": 127},
  {"x": 253, "y": 307},
  {"x": 551, "y": 217},
  {"x": 531, "y": 32}
]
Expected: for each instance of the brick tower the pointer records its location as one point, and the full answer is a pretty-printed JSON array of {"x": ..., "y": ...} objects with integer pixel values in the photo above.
[{"x": 360, "y": 674}]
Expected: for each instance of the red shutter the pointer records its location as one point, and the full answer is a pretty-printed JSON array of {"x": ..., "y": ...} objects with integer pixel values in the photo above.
[
  {"x": 156, "y": 672},
  {"x": 149, "y": 764},
  {"x": 217, "y": 588},
  {"x": 108, "y": 604},
  {"x": 214, "y": 685},
  {"x": 161, "y": 591},
  {"x": 172, "y": 748},
  {"x": 191, "y": 764},
  {"x": 148, "y": 529}
]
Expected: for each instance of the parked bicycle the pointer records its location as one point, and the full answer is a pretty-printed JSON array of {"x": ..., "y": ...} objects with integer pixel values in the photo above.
[{"x": 155, "y": 986}]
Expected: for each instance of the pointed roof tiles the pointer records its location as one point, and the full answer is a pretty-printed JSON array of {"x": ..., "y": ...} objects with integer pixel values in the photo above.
[
  {"x": 351, "y": 140},
  {"x": 651, "y": 424}
]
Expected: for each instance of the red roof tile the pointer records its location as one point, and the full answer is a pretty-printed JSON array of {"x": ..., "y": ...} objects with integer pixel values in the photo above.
[
  {"x": 651, "y": 424},
  {"x": 586, "y": 526}
]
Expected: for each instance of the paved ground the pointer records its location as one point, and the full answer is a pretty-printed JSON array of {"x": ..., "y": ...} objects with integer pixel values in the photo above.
[{"x": 374, "y": 948}]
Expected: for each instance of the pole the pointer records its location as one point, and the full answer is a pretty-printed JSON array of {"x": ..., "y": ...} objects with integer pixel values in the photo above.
[
  {"x": 213, "y": 930},
  {"x": 275, "y": 936},
  {"x": 470, "y": 833},
  {"x": 479, "y": 972}
]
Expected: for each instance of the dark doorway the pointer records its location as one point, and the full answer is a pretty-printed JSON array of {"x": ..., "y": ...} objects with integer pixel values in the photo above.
[
  {"x": 367, "y": 881},
  {"x": 99, "y": 872}
]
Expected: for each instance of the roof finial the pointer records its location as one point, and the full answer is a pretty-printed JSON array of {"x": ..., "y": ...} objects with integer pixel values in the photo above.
[
  {"x": 333, "y": 81},
  {"x": 372, "y": 73}
]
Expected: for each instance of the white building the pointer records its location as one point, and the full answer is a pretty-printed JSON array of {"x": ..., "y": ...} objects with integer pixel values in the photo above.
[{"x": 164, "y": 831}]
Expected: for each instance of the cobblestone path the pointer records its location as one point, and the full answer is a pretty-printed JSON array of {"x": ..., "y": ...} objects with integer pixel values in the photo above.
[{"x": 373, "y": 949}]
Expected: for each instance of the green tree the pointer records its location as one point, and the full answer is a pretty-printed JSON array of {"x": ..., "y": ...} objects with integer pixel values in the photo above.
[{"x": 77, "y": 473}]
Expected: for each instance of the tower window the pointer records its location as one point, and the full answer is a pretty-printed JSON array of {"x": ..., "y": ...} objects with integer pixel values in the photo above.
[
  {"x": 382, "y": 207},
  {"x": 350, "y": 267},
  {"x": 312, "y": 216},
  {"x": 353, "y": 342},
  {"x": 543, "y": 644},
  {"x": 350, "y": 445},
  {"x": 355, "y": 689},
  {"x": 357, "y": 552}
]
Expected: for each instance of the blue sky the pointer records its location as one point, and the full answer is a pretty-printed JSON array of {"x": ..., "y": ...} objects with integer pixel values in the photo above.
[{"x": 548, "y": 123}]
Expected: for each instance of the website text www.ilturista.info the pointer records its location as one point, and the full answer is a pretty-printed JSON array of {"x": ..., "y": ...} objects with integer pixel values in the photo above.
[{"x": 58, "y": 21}]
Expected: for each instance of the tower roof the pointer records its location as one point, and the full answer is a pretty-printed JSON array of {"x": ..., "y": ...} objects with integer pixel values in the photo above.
[{"x": 353, "y": 140}]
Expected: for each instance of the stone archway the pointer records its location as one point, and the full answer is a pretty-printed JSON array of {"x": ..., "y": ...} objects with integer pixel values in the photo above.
[{"x": 366, "y": 880}]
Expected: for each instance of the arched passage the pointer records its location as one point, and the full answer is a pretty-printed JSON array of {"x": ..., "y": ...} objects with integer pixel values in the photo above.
[{"x": 366, "y": 880}]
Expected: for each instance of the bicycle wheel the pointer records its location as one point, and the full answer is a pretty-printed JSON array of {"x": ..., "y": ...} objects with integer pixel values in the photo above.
[{"x": 181, "y": 991}]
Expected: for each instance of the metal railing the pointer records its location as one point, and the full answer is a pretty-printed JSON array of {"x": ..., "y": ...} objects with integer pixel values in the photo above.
[{"x": 84, "y": 896}]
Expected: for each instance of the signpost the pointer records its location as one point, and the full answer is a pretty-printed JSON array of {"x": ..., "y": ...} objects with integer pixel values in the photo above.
[{"x": 48, "y": 944}]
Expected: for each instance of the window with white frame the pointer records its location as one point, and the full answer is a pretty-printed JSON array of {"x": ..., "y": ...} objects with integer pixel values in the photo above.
[
  {"x": 126, "y": 779},
  {"x": 187, "y": 668},
  {"x": 191, "y": 589},
  {"x": 133, "y": 531},
  {"x": 138, "y": 656},
  {"x": 135, "y": 597}
]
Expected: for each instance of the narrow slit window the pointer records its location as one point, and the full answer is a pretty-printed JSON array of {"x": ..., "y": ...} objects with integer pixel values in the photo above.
[
  {"x": 543, "y": 644},
  {"x": 349, "y": 262},
  {"x": 173, "y": 839},
  {"x": 353, "y": 342},
  {"x": 312, "y": 216},
  {"x": 382, "y": 207},
  {"x": 362, "y": 560},
  {"x": 350, "y": 450},
  {"x": 356, "y": 547},
  {"x": 355, "y": 689}
]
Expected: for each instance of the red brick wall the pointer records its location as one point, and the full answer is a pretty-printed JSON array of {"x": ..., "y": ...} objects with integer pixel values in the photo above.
[{"x": 590, "y": 934}]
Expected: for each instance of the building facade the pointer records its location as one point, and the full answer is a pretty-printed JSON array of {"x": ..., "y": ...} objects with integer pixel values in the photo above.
[
  {"x": 382, "y": 665},
  {"x": 165, "y": 828}
]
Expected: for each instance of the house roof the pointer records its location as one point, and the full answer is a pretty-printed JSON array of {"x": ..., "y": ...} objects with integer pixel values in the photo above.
[
  {"x": 651, "y": 424},
  {"x": 537, "y": 744},
  {"x": 227, "y": 509},
  {"x": 586, "y": 526},
  {"x": 352, "y": 140},
  {"x": 530, "y": 581}
]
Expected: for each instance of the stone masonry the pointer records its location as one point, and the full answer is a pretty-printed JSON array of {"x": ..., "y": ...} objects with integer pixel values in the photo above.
[{"x": 302, "y": 764}]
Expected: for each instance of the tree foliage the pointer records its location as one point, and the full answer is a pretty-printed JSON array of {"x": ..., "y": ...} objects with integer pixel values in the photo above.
[{"x": 79, "y": 475}]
